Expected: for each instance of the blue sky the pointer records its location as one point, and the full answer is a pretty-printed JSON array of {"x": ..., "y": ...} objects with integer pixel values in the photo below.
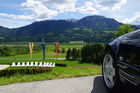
[{"x": 17, "y": 13}]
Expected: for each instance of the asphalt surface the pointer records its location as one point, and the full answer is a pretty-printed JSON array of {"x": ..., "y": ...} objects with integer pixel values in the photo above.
[
  {"x": 91, "y": 84},
  {"x": 3, "y": 66}
]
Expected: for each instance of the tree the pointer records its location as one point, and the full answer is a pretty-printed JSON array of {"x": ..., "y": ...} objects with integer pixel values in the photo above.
[
  {"x": 5, "y": 51},
  {"x": 92, "y": 53},
  {"x": 78, "y": 54},
  {"x": 123, "y": 29},
  {"x": 68, "y": 55},
  {"x": 73, "y": 54},
  {"x": 63, "y": 50}
]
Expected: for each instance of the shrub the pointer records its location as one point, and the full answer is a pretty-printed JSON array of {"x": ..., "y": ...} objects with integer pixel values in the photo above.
[
  {"x": 73, "y": 54},
  {"x": 5, "y": 51},
  {"x": 12, "y": 71},
  {"x": 88, "y": 53},
  {"x": 22, "y": 50},
  {"x": 11, "y": 51},
  {"x": 61, "y": 65},
  {"x": 68, "y": 54},
  {"x": 92, "y": 53},
  {"x": 63, "y": 50}
]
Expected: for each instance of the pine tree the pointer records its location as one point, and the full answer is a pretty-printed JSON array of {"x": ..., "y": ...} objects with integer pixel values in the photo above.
[
  {"x": 78, "y": 54},
  {"x": 74, "y": 50},
  {"x": 68, "y": 54},
  {"x": 63, "y": 50},
  {"x": 92, "y": 53},
  {"x": 83, "y": 54}
]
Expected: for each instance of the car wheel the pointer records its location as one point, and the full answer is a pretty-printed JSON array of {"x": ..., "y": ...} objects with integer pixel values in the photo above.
[{"x": 110, "y": 73}]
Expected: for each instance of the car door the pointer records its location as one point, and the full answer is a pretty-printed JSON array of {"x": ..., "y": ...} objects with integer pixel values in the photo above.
[{"x": 129, "y": 57}]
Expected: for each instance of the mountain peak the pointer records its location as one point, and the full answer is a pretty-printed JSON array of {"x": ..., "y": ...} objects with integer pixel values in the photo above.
[
  {"x": 62, "y": 30},
  {"x": 99, "y": 23},
  {"x": 95, "y": 16}
]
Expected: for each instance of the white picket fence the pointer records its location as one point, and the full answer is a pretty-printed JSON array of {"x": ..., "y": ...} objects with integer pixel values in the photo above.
[{"x": 33, "y": 64}]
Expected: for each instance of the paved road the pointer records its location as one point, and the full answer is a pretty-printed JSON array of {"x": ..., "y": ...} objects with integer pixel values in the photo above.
[
  {"x": 91, "y": 84},
  {"x": 4, "y": 66}
]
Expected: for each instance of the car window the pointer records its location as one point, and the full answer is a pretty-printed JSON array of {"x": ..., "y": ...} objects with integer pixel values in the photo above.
[
  {"x": 135, "y": 35},
  {"x": 131, "y": 36}
]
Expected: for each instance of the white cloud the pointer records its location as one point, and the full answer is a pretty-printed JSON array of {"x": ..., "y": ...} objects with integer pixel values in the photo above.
[
  {"x": 133, "y": 20},
  {"x": 107, "y": 5},
  {"x": 45, "y": 9},
  {"x": 40, "y": 11},
  {"x": 87, "y": 8},
  {"x": 13, "y": 23},
  {"x": 60, "y": 5},
  {"x": 12, "y": 16}
]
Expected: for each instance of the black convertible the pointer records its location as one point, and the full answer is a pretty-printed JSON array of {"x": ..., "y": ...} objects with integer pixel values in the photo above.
[{"x": 121, "y": 64}]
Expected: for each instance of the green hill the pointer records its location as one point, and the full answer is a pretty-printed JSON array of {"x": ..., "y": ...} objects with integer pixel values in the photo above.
[{"x": 89, "y": 29}]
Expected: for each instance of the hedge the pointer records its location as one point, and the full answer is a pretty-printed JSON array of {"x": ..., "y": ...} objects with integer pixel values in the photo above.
[{"x": 11, "y": 71}]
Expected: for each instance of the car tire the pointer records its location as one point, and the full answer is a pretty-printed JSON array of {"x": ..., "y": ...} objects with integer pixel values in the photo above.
[{"x": 110, "y": 73}]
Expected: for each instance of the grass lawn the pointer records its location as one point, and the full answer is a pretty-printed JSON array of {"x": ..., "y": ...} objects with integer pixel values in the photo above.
[
  {"x": 35, "y": 56},
  {"x": 38, "y": 55},
  {"x": 49, "y": 46},
  {"x": 73, "y": 69}
]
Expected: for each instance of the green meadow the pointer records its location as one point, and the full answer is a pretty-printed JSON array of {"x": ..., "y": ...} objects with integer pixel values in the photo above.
[{"x": 73, "y": 68}]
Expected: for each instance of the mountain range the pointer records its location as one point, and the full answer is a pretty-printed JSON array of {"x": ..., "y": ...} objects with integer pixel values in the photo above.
[{"x": 89, "y": 29}]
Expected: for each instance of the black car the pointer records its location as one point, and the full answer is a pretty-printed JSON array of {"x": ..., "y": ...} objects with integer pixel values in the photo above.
[{"x": 121, "y": 64}]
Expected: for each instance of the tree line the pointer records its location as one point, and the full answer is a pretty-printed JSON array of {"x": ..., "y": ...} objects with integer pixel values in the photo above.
[
  {"x": 95, "y": 52},
  {"x": 73, "y": 54},
  {"x": 12, "y": 51},
  {"x": 90, "y": 53}
]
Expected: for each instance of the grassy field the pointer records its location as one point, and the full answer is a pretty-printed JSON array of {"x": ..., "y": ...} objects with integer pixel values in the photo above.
[
  {"x": 73, "y": 69},
  {"x": 35, "y": 56},
  {"x": 38, "y": 55},
  {"x": 48, "y": 46},
  {"x": 57, "y": 73}
]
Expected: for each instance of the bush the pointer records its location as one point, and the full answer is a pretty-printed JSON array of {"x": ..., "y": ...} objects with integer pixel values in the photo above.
[
  {"x": 61, "y": 65},
  {"x": 22, "y": 50},
  {"x": 73, "y": 54},
  {"x": 68, "y": 54},
  {"x": 5, "y": 51},
  {"x": 63, "y": 50},
  {"x": 92, "y": 53},
  {"x": 37, "y": 48},
  {"x": 11, "y": 51},
  {"x": 12, "y": 71}
]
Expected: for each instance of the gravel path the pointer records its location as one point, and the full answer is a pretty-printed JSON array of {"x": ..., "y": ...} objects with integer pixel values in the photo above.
[{"x": 91, "y": 84}]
